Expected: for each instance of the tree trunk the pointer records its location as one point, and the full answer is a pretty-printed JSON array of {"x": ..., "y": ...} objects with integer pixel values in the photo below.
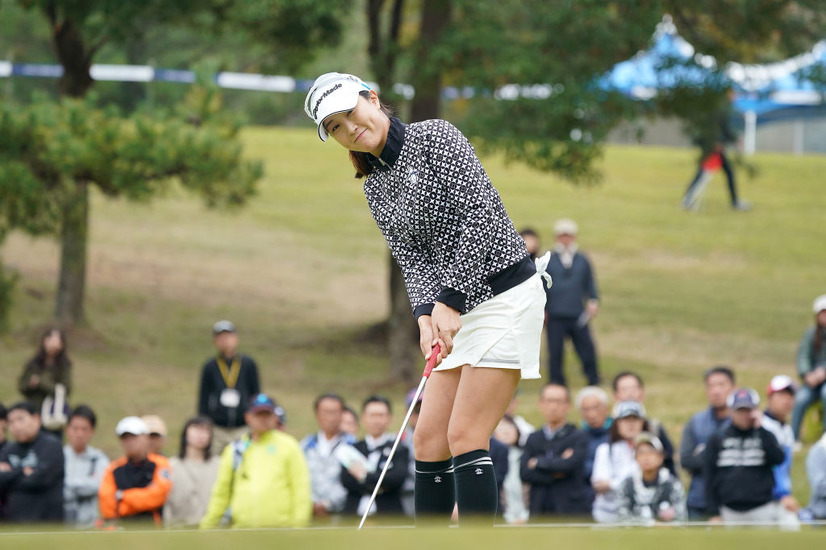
[
  {"x": 405, "y": 355},
  {"x": 74, "y": 58},
  {"x": 75, "y": 82},
  {"x": 73, "y": 238},
  {"x": 427, "y": 80},
  {"x": 403, "y": 331}
]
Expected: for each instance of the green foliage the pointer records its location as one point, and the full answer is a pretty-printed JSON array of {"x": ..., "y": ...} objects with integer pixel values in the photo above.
[
  {"x": 48, "y": 146},
  {"x": 749, "y": 31},
  {"x": 562, "y": 43}
]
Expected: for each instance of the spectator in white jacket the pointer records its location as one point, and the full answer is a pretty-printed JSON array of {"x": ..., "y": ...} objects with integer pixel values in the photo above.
[{"x": 615, "y": 460}]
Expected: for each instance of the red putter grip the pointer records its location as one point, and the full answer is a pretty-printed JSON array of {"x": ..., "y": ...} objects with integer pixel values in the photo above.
[{"x": 434, "y": 354}]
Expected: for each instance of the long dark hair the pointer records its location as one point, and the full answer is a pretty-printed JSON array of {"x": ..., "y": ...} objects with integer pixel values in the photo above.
[
  {"x": 61, "y": 360},
  {"x": 196, "y": 421},
  {"x": 360, "y": 160},
  {"x": 613, "y": 431}
]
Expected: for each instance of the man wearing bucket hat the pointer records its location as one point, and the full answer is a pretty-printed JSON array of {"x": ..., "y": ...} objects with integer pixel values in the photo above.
[
  {"x": 739, "y": 462},
  {"x": 811, "y": 366}
]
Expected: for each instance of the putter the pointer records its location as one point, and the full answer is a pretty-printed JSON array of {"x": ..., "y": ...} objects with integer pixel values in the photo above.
[{"x": 427, "y": 370}]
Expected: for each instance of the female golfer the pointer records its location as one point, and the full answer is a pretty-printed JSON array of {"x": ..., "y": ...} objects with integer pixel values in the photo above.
[{"x": 472, "y": 285}]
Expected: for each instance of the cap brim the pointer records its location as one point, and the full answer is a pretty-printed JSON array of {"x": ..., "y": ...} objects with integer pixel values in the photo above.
[{"x": 259, "y": 408}]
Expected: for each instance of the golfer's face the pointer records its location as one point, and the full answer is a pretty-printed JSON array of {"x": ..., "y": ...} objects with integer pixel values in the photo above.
[{"x": 363, "y": 129}]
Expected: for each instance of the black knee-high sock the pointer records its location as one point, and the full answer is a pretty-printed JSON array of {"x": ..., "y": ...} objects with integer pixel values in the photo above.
[
  {"x": 476, "y": 490},
  {"x": 435, "y": 490}
]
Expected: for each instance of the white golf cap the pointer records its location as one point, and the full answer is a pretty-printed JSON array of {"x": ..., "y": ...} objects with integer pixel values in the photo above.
[
  {"x": 820, "y": 304},
  {"x": 566, "y": 226},
  {"x": 131, "y": 425},
  {"x": 332, "y": 93}
]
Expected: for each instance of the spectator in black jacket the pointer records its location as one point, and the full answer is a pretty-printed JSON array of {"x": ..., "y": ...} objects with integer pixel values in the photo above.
[
  {"x": 31, "y": 470},
  {"x": 228, "y": 382},
  {"x": 553, "y": 459},
  {"x": 739, "y": 461},
  {"x": 360, "y": 475},
  {"x": 628, "y": 386}
]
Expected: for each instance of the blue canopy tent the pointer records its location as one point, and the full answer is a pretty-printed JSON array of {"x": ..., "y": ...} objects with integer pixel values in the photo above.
[{"x": 765, "y": 93}]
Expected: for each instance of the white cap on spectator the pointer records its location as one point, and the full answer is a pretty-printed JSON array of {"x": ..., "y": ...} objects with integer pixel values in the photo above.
[
  {"x": 566, "y": 226},
  {"x": 820, "y": 304},
  {"x": 131, "y": 425}
]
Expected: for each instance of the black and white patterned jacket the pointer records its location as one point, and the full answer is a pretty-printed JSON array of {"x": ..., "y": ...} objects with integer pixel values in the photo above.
[{"x": 442, "y": 218}]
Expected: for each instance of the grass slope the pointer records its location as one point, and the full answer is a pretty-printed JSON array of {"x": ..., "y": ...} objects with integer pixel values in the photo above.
[{"x": 302, "y": 272}]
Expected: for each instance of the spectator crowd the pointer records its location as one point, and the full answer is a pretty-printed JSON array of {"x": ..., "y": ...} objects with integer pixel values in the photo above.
[{"x": 596, "y": 457}]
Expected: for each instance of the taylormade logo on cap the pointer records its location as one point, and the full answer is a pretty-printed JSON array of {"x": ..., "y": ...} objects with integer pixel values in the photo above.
[{"x": 325, "y": 94}]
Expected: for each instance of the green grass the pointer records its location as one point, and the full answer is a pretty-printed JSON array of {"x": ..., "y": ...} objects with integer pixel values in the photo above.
[
  {"x": 408, "y": 539},
  {"x": 302, "y": 271}
]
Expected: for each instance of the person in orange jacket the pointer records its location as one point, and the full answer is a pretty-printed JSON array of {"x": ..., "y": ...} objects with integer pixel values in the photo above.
[{"x": 135, "y": 485}]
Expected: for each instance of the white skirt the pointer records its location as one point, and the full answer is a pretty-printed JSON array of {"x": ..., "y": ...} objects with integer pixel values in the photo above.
[{"x": 503, "y": 332}]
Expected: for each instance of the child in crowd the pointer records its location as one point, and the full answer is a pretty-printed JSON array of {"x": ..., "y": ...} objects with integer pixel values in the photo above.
[{"x": 651, "y": 493}]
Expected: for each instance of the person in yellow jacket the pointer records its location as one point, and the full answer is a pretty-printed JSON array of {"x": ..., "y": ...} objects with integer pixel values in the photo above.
[{"x": 263, "y": 480}]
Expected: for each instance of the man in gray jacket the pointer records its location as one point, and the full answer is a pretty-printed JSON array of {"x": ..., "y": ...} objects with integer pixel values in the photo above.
[{"x": 84, "y": 469}]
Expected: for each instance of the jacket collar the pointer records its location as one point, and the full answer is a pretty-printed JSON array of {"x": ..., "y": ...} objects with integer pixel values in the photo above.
[{"x": 392, "y": 147}]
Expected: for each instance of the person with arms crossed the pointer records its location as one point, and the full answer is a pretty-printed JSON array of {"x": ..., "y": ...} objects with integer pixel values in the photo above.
[
  {"x": 85, "y": 466},
  {"x": 554, "y": 458},
  {"x": 472, "y": 285},
  {"x": 31, "y": 469}
]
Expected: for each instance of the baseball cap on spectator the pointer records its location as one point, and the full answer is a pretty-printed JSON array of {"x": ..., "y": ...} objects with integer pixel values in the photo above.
[
  {"x": 781, "y": 382},
  {"x": 743, "y": 398},
  {"x": 624, "y": 409},
  {"x": 222, "y": 326},
  {"x": 332, "y": 93},
  {"x": 411, "y": 394},
  {"x": 819, "y": 304},
  {"x": 566, "y": 226},
  {"x": 650, "y": 439},
  {"x": 131, "y": 425},
  {"x": 154, "y": 424},
  {"x": 262, "y": 402}
]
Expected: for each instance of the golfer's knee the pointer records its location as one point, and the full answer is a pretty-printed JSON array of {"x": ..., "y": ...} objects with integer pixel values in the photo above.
[
  {"x": 462, "y": 440},
  {"x": 430, "y": 447}
]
